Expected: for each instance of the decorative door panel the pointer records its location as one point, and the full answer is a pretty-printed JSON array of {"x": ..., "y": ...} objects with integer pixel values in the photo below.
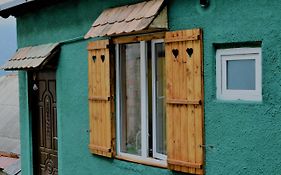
[{"x": 43, "y": 87}]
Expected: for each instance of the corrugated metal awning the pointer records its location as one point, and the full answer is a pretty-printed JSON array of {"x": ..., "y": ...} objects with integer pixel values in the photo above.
[
  {"x": 6, "y": 161},
  {"x": 31, "y": 57},
  {"x": 6, "y": 4},
  {"x": 148, "y": 15},
  {"x": 10, "y": 165}
]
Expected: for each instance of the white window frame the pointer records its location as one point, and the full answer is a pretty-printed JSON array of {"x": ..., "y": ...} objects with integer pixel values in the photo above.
[
  {"x": 144, "y": 112},
  {"x": 154, "y": 100},
  {"x": 224, "y": 55}
]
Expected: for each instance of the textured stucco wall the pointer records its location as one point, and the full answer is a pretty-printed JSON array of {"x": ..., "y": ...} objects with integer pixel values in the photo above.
[{"x": 245, "y": 137}]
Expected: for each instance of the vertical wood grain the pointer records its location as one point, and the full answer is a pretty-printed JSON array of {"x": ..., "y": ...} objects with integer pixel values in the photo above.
[
  {"x": 100, "y": 101},
  {"x": 184, "y": 82}
]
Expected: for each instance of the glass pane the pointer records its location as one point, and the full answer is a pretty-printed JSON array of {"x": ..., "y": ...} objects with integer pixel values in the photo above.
[
  {"x": 241, "y": 74},
  {"x": 130, "y": 98},
  {"x": 160, "y": 99}
]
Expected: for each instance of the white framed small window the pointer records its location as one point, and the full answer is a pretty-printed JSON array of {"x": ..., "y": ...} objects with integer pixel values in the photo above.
[{"x": 239, "y": 74}]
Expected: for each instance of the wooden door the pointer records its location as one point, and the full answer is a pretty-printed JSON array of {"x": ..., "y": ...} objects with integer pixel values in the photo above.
[{"x": 45, "y": 142}]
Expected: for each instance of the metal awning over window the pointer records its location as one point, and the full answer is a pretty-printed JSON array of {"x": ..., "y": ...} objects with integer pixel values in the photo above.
[
  {"x": 144, "y": 16},
  {"x": 32, "y": 57}
]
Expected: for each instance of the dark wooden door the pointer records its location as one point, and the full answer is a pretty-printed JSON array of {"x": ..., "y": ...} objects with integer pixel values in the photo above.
[{"x": 45, "y": 141}]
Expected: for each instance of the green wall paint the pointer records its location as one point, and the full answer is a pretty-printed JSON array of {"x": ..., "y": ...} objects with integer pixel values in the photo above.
[
  {"x": 241, "y": 137},
  {"x": 25, "y": 126}
]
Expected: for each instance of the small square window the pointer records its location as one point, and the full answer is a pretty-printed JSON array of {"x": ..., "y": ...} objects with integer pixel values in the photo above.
[{"x": 238, "y": 74}]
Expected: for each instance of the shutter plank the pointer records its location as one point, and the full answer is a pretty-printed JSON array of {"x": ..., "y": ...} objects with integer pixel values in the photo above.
[
  {"x": 199, "y": 138},
  {"x": 101, "y": 108},
  {"x": 184, "y": 164},
  {"x": 107, "y": 93},
  {"x": 100, "y": 101},
  {"x": 182, "y": 93},
  {"x": 103, "y": 118},
  {"x": 184, "y": 108},
  {"x": 177, "y": 134},
  {"x": 90, "y": 91},
  {"x": 95, "y": 108},
  {"x": 169, "y": 108},
  {"x": 184, "y": 101},
  {"x": 177, "y": 119},
  {"x": 198, "y": 94},
  {"x": 191, "y": 138},
  {"x": 191, "y": 121}
]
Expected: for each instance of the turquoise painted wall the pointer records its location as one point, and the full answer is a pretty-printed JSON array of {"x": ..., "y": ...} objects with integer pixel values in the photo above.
[{"x": 241, "y": 137}]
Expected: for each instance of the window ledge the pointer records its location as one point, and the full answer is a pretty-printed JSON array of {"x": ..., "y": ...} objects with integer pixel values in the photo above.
[
  {"x": 144, "y": 161},
  {"x": 238, "y": 102}
]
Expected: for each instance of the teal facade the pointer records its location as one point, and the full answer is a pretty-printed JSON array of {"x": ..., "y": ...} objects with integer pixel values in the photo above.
[{"x": 240, "y": 137}]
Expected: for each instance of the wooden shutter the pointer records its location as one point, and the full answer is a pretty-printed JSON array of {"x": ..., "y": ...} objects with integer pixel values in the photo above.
[
  {"x": 101, "y": 104},
  {"x": 184, "y": 92}
]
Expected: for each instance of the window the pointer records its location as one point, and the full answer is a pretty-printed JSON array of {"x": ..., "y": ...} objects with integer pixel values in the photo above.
[
  {"x": 141, "y": 121},
  {"x": 239, "y": 74},
  {"x": 154, "y": 113}
]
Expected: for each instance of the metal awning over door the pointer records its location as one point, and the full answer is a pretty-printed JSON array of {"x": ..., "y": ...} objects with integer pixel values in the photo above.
[
  {"x": 32, "y": 57},
  {"x": 145, "y": 16}
]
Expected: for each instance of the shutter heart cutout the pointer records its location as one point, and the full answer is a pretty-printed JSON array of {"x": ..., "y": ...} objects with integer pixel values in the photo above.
[
  {"x": 102, "y": 58},
  {"x": 189, "y": 51},
  {"x": 175, "y": 53},
  {"x": 94, "y": 58}
]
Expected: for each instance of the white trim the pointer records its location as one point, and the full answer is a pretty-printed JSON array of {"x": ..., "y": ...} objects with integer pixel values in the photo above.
[
  {"x": 143, "y": 79},
  {"x": 153, "y": 98},
  {"x": 222, "y": 56},
  {"x": 141, "y": 159},
  {"x": 154, "y": 101}
]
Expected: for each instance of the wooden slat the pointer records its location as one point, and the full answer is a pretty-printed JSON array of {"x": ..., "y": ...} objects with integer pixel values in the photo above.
[
  {"x": 98, "y": 98},
  {"x": 112, "y": 104},
  {"x": 186, "y": 93},
  {"x": 177, "y": 36},
  {"x": 198, "y": 93},
  {"x": 103, "y": 116},
  {"x": 169, "y": 108},
  {"x": 102, "y": 44},
  {"x": 177, "y": 110},
  {"x": 190, "y": 38},
  {"x": 90, "y": 91},
  {"x": 183, "y": 102},
  {"x": 100, "y": 148},
  {"x": 101, "y": 152},
  {"x": 97, "y": 130},
  {"x": 184, "y": 164},
  {"x": 190, "y": 89},
  {"x": 108, "y": 126},
  {"x": 184, "y": 99},
  {"x": 137, "y": 38},
  {"x": 183, "y": 115}
]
